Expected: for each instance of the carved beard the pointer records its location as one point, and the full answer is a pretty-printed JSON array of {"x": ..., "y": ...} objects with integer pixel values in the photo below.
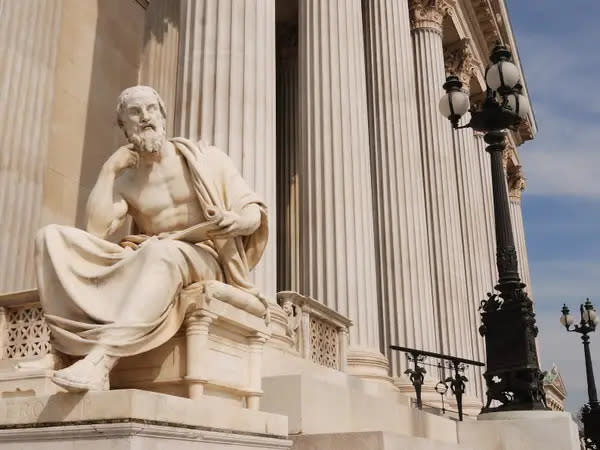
[{"x": 149, "y": 140}]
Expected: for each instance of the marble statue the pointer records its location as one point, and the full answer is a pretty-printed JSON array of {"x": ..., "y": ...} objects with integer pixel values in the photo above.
[{"x": 196, "y": 221}]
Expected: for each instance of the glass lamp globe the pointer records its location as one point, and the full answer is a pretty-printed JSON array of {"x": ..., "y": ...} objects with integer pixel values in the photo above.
[
  {"x": 590, "y": 316},
  {"x": 567, "y": 320},
  {"x": 455, "y": 103},
  {"x": 519, "y": 104},
  {"x": 503, "y": 75}
]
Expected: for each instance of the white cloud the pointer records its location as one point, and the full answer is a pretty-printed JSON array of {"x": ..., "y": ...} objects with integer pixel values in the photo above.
[
  {"x": 557, "y": 281},
  {"x": 562, "y": 81}
]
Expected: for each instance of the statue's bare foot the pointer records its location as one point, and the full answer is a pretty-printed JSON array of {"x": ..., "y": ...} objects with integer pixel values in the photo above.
[
  {"x": 87, "y": 374},
  {"x": 49, "y": 361}
]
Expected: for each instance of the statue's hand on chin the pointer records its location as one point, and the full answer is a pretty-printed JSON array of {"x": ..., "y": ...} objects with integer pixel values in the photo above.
[{"x": 122, "y": 159}]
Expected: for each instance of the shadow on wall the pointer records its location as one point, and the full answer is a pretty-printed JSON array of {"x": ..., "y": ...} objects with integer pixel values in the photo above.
[
  {"x": 162, "y": 15},
  {"x": 116, "y": 61}
]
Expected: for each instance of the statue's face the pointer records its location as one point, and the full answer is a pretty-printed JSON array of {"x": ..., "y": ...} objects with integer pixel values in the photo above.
[{"x": 143, "y": 121}]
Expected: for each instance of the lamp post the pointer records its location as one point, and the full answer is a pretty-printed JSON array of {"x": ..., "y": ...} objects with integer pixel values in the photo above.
[
  {"x": 513, "y": 377},
  {"x": 591, "y": 412}
]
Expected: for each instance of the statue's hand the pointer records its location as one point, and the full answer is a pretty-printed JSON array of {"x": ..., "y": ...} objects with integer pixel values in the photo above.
[
  {"x": 233, "y": 224},
  {"x": 123, "y": 158}
]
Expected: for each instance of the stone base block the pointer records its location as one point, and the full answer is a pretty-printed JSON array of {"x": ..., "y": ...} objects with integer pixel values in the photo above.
[
  {"x": 132, "y": 435},
  {"x": 42, "y": 418},
  {"x": 370, "y": 441},
  {"x": 28, "y": 383},
  {"x": 522, "y": 430},
  {"x": 341, "y": 403}
]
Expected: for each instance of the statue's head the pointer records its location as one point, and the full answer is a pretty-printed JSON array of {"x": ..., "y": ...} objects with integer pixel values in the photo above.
[{"x": 142, "y": 117}]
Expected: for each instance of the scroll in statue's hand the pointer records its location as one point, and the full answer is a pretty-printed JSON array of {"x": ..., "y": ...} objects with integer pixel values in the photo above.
[{"x": 233, "y": 224}]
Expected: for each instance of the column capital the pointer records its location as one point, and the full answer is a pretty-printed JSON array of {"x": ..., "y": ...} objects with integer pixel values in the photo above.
[
  {"x": 508, "y": 156},
  {"x": 516, "y": 183},
  {"x": 460, "y": 60},
  {"x": 429, "y": 13}
]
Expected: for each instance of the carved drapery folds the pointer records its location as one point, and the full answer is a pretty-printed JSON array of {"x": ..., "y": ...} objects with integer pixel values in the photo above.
[
  {"x": 460, "y": 60},
  {"x": 429, "y": 13}
]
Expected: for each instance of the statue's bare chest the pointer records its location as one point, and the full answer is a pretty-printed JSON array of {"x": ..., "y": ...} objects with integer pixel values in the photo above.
[{"x": 161, "y": 186}]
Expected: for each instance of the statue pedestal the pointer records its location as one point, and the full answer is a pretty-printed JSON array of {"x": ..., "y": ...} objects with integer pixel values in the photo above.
[
  {"x": 132, "y": 419},
  {"x": 523, "y": 430}
]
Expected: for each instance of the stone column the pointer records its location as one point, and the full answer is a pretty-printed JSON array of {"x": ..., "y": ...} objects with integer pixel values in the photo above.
[
  {"x": 161, "y": 51},
  {"x": 197, "y": 326},
  {"x": 287, "y": 176},
  {"x": 440, "y": 178},
  {"x": 226, "y": 96},
  {"x": 337, "y": 245},
  {"x": 29, "y": 31},
  {"x": 516, "y": 186},
  {"x": 485, "y": 171},
  {"x": 460, "y": 61},
  {"x": 404, "y": 268}
]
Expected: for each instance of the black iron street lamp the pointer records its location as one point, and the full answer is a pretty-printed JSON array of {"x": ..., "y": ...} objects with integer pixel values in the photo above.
[
  {"x": 591, "y": 411},
  {"x": 513, "y": 377}
]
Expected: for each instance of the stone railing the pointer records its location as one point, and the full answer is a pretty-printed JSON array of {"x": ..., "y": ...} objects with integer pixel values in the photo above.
[
  {"x": 23, "y": 331},
  {"x": 319, "y": 333}
]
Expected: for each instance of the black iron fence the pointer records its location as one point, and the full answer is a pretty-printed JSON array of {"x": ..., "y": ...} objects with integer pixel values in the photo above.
[{"x": 457, "y": 381}]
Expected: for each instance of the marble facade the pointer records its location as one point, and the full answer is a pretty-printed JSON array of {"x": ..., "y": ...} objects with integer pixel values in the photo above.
[{"x": 379, "y": 212}]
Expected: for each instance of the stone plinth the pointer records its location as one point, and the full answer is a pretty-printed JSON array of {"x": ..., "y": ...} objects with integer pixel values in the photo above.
[
  {"x": 317, "y": 402},
  {"x": 372, "y": 440},
  {"x": 523, "y": 430},
  {"x": 131, "y": 419}
]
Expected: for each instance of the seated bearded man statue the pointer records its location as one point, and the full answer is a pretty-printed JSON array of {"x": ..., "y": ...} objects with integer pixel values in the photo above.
[{"x": 197, "y": 220}]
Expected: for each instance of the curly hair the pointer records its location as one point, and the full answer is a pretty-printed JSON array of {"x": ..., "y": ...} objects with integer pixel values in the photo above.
[{"x": 127, "y": 93}]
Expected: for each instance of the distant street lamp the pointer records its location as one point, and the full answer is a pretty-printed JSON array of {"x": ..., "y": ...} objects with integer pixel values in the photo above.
[
  {"x": 513, "y": 377},
  {"x": 591, "y": 412}
]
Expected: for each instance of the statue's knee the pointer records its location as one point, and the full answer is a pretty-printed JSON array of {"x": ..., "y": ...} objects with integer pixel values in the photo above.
[{"x": 161, "y": 247}]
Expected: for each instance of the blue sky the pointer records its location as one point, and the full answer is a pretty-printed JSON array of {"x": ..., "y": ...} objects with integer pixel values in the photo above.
[{"x": 559, "y": 47}]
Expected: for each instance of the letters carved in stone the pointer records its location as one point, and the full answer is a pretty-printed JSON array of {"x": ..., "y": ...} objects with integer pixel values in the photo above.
[{"x": 429, "y": 13}]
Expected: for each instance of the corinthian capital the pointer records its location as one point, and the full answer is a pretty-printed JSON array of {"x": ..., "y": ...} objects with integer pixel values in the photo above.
[
  {"x": 460, "y": 60},
  {"x": 429, "y": 13},
  {"x": 516, "y": 183}
]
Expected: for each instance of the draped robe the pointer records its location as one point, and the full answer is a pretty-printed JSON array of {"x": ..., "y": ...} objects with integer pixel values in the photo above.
[{"x": 95, "y": 292}]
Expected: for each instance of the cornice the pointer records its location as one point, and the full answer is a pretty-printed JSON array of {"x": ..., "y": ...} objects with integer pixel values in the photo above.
[
  {"x": 429, "y": 14},
  {"x": 487, "y": 20}
]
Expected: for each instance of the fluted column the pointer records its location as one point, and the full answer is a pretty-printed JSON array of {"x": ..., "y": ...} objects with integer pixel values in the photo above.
[
  {"x": 337, "y": 252},
  {"x": 29, "y": 31},
  {"x": 403, "y": 264},
  {"x": 441, "y": 197},
  {"x": 460, "y": 61},
  {"x": 516, "y": 186},
  {"x": 287, "y": 176},
  {"x": 485, "y": 171},
  {"x": 161, "y": 50},
  {"x": 226, "y": 96}
]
